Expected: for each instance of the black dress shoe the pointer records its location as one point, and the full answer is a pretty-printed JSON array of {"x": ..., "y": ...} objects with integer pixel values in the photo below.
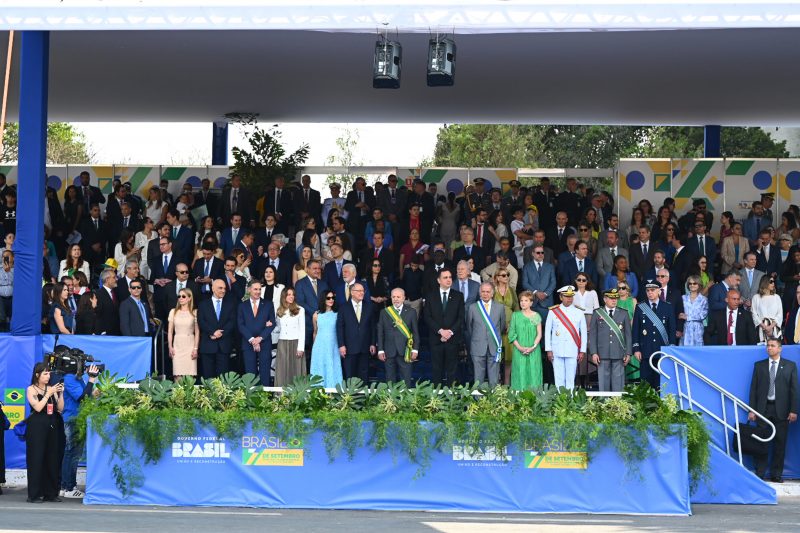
[
  {"x": 53, "y": 499},
  {"x": 777, "y": 479},
  {"x": 34, "y": 500}
]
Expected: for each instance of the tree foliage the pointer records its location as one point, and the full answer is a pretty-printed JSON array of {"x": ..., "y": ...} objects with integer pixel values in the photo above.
[
  {"x": 347, "y": 143},
  {"x": 66, "y": 145},
  {"x": 503, "y": 145},
  {"x": 266, "y": 158}
]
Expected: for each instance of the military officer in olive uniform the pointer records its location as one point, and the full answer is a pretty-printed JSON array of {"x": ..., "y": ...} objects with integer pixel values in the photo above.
[
  {"x": 479, "y": 198},
  {"x": 653, "y": 327},
  {"x": 566, "y": 336},
  {"x": 610, "y": 343}
]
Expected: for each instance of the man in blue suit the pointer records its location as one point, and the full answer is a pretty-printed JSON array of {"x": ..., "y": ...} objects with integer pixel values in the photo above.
[
  {"x": 343, "y": 288},
  {"x": 206, "y": 269},
  {"x": 332, "y": 275},
  {"x": 308, "y": 291},
  {"x": 768, "y": 255},
  {"x": 540, "y": 278},
  {"x": 217, "y": 320},
  {"x": 256, "y": 320},
  {"x": 182, "y": 237},
  {"x": 653, "y": 328},
  {"x": 232, "y": 237},
  {"x": 703, "y": 244},
  {"x": 355, "y": 329},
  {"x": 582, "y": 263},
  {"x": 719, "y": 291}
]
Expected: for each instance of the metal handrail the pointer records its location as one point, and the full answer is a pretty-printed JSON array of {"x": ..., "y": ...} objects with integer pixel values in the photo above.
[{"x": 724, "y": 395}]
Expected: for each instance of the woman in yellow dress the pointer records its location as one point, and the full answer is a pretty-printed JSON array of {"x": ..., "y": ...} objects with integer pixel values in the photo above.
[{"x": 504, "y": 294}]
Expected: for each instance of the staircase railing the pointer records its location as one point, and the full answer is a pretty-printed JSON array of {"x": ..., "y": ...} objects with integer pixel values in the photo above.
[{"x": 686, "y": 401}]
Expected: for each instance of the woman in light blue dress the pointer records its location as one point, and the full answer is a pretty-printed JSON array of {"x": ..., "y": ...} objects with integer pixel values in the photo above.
[
  {"x": 695, "y": 313},
  {"x": 325, "y": 359}
]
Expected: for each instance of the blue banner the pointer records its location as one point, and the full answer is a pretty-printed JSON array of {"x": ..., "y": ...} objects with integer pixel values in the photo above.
[
  {"x": 260, "y": 470},
  {"x": 125, "y": 356},
  {"x": 731, "y": 367}
]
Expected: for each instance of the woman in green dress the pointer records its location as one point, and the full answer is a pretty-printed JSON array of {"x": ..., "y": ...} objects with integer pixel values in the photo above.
[
  {"x": 525, "y": 334},
  {"x": 507, "y": 296},
  {"x": 628, "y": 302}
]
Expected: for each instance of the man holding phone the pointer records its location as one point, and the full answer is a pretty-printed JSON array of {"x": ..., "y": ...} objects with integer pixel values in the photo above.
[{"x": 75, "y": 390}]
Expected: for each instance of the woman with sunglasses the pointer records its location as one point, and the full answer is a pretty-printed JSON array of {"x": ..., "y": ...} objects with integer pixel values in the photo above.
[
  {"x": 766, "y": 304},
  {"x": 586, "y": 234},
  {"x": 504, "y": 294},
  {"x": 695, "y": 313},
  {"x": 700, "y": 269},
  {"x": 586, "y": 300},
  {"x": 183, "y": 335},
  {"x": 325, "y": 359}
]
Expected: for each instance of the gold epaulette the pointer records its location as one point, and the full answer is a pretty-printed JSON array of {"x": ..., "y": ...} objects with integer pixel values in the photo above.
[{"x": 554, "y": 306}]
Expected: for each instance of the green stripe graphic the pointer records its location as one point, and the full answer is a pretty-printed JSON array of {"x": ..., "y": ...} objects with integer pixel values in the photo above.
[{"x": 695, "y": 178}]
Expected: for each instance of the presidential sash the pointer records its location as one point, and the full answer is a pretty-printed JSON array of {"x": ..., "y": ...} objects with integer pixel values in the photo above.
[
  {"x": 399, "y": 324},
  {"x": 612, "y": 325},
  {"x": 567, "y": 324},
  {"x": 649, "y": 313},
  {"x": 490, "y": 326}
]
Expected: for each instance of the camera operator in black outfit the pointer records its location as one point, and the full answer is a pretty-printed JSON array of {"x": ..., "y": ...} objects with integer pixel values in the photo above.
[{"x": 44, "y": 438}]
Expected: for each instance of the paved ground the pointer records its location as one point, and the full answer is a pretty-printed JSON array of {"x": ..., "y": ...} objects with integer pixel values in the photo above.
[{"x": 71, "y": 515}]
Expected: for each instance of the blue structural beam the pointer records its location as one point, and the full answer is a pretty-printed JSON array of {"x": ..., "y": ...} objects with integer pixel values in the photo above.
[
  {"x": 712, "y": 141},
  {"x": 219, "y": 146},
  {"x": 28, "y": 257}
]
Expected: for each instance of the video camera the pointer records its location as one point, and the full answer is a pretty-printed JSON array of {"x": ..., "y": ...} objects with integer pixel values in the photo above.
[{"x": 65, "y": 360}]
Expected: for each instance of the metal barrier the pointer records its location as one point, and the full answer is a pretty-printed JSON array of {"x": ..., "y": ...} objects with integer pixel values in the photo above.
[{"x": 686, "y": 401}]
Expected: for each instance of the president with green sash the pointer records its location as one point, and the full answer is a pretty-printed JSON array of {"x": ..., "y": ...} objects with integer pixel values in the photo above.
[
  {"x": 398, "y": 338},
  {"x": 486, "y": 320},
  {"x": 610, "y": 342}
]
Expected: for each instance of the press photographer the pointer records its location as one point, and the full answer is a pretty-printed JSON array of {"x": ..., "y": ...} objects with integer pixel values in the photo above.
[{"x": 73, "y": 364}]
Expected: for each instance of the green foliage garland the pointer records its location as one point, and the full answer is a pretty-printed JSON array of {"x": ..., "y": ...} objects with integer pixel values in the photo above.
[{"x": 410, "y": 423}]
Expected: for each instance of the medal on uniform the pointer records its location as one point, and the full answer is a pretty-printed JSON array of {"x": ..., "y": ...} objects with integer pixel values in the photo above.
[
  {"x": 644, "y": 332},
  {"x": 558, "y": 333}
]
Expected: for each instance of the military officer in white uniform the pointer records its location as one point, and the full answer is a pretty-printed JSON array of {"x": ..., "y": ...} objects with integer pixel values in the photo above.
[{"x": 566, "y": 336}]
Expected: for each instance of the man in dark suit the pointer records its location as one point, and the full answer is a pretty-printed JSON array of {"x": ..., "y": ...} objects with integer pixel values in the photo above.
[
  {"x": 359, "y": 205},
  {"x": 89, "y": 194},
  {"x": 256, "y": 320},
  {"x": 162, "y": 272},
  {"x": 539, "y": 277},
  {"x": 235, "y": 285},
  {"x": 332, "y": 274},
  {"x": 344, "y": 287},
  {"x": 419, "y": 196},
  {"x": 206, "y": 269},
  {"x": 216, "y": 318},
  {"x": 544, "y": 199},
  {"x": 207, "y": 198},
  {"x": 681, "y": 262},
  {"x": 231, "y": 237},
  {"x": 434, "y": 266},
  {"x": 444, "y": 315},
  {"x": 182, "y": 237},
  {"x": 392, "y": 200},
  {"x": 581, "y": 264},
  {"x": 652, "y": 329},
  {"x": 237, "y": 199},
  {"x": 108, "y": 304},
  {"x": 641, "y": 254},
  {"x": 307, "y": 203},
  {"x": 732, "y": 326},
  {"x": 279, "y": 202},
  {"x": 93, "y": 237},
  {"x": 131, "y": 274},
  {"x": 470, "y": 249},
  {"x": 134, "y": 313},
  {"x": 356, "y": 333},
  {"x": 378, "y": 251},
  {"x": 281, "y": 265},
  {"x": 571, "y": 202},
  {"x": 703, "y": 244},
  {"x": 717, "y": 294},
  {"x": 483, "y": 238},
  {"x": 181, "y": 281},
  {"x": 556, "y": 238},
  {"x": 308, "y": 292},
  {"x": 393, "y": 344},
  {"x": 768, "y": 255},
  {"x": 773, "y": 393},
  {"x": 469, "y": 288},
  {"x": 527, "y": 253}
]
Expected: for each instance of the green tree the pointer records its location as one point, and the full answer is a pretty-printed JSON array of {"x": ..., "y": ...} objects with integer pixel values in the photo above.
[
  {"x": 347, "y": 143},
  {"x": 688, "y": 142},
  {"x": 266, "y": 158},
  {"x": 65, "y": 144}
]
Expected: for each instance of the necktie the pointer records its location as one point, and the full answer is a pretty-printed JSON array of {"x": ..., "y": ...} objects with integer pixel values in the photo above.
[
  {"x": 538, "y": 267},
  {"x": 654, "y": 305},
  {"x": 766, "y": 253},
  {"x": 730, "y": 327},
  {"x": 750, "y": 277},
  {"x": 235, "y": 233},
  {"x": 86, "y": 196},
  {"x": 702, "y": 246},
  {"x": 486, "y": 306},
  {"x": 255, "y": 308},
  {"x": 469, "y": 250},
  {"x": 358, "y": 311},
  {"x": 72, "y": 303},
  {"x": 391, "y": 193},
  {"x": 663, "y": 294},
  {"x": 613, "y": 252},
  {"x": 560, "y": 232},
  {"x": 360, "y": 196},
  {"x": 758, "y": 226},
  {"x": 773, "y": 372},
  {"x": 306, "y": 196},
  {"x": 277, "y": 200},
  {"x": 464, "y": 290},
  {"x": 166, "y": 264},
  {"x": 208, "y": 269},
  {"x": 144, "y": 314},
  {"x": 269, "y": 235},
  {"x": 580, "y": 265},
  {"x": 174, "y": 233},
  {"x": 377, "y": 251},
  {"x": 125, "y": 224},
  {"x": 180, "y": 287},
  {"x": 97, "y": 224},
  {"x": 235, "y": 200},
  {"x": 480, "y": 233},
  {"x": 218, "y": 306},
  {"x": 314, "y": 285},
  {"x": 644, "y": 250},
  {"x": 347, "y": 292},
  {"x": 272, "y": 262},
  {"x": 444, "y": 301},
  {"x": 339, "y": 268}
]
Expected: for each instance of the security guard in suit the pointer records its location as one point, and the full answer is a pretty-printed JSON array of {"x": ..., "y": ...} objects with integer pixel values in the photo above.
[
  {"x": 653, "y": 327},
  {"x": 566, "y": 337},
  {"x": 610, "y": 342}
]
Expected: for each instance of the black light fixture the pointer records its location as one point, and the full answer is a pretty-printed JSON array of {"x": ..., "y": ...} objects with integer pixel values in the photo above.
[
  {"x": 441, "y": 62},
  {"x": 386, "y": 67}
]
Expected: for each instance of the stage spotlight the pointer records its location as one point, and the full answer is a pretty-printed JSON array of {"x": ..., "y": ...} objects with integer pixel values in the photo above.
[
  {"x": 441, "y": 62},
  {"x": 386, "y": 70}
]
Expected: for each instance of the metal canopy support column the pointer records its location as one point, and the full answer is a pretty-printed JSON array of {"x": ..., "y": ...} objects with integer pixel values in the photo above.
[
  {"x": 219, "y": 147},
  {"x": 712, "y": 141},
  {"x": 27, "y": 303}
]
